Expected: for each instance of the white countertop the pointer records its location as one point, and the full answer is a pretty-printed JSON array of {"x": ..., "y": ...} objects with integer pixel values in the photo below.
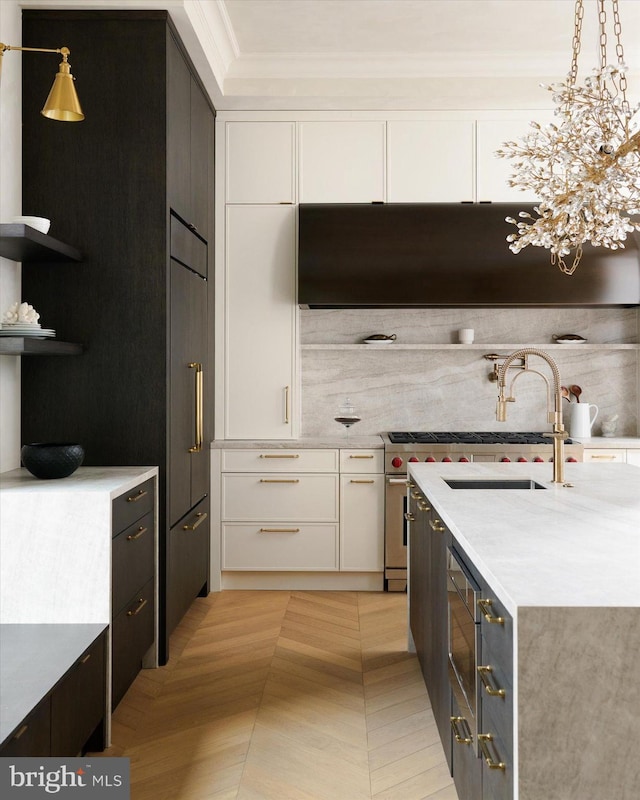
[
  {"x": 610, "y": 441},
  {"x": 557, "y": 546},
  {"x": 342, "y": 442},
  {"x": 55, "y": 545},
  {"x": 111, "y": 480}
]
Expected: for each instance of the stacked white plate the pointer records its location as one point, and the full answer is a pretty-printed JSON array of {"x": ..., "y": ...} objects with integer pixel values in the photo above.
[{"x": 31, "y": 329}]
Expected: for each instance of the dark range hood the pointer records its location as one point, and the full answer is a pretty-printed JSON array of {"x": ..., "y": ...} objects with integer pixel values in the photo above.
[{"x": 445, "y": 254}]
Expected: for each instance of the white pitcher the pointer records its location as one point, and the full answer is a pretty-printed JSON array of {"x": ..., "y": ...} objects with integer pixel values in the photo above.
[{"x": 581, "y": 420}]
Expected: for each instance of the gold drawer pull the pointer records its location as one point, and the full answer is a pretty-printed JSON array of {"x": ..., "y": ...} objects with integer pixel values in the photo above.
[
  {"x": 279, "y": 455},
  {"x": 200, "y": 518},
  {"x": 484, "y": 677},
  {"x": 416, "y": 495},
  {"x": 279, "y": 480},
  {"x": 279, "y": 530},
  {"x": 21, "y": 732},
  {"x": 133, "y": 536},
  {"x": 135, "y": 497},
  {"x": 435, "y": 525},
  {"x": 141, "y": 604},
  {"x": 85, "y": 659},
  {"x": 362, "y": 456},
  {"x": 484, "y": 606},
  {"x": 601, "y": 457},
  {"x": 483, "y": 740},
  {"x": 409, "y": 516},
  {"x": 460, "y": 739},
  {"x": 423, "y": 506},
  {"x": 369, "y": 480}
]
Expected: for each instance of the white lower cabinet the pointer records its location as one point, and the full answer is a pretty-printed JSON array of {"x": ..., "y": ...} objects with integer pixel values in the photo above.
[
  {"x": 633, "y": 457},
  {"x": 362, "y": 522},
  {"x": 302, "y": 510},
  {"x": 605, "y": 455}
]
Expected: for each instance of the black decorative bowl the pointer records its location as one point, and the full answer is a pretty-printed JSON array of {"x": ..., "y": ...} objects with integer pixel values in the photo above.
[{"x": 52, "y": 460}]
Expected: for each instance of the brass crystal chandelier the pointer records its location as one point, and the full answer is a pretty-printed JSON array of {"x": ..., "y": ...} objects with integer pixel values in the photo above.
[{"x": 585, "y": 168}]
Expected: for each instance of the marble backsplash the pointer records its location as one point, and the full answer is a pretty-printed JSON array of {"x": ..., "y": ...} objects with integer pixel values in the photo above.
[{"x": 449, "y": 389}]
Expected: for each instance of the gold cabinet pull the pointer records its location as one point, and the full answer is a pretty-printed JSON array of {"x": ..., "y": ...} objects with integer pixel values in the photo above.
[
  {"x": 21, "y": 732},
  {"x": 435, "y": 525},
  {"x": 279, "y": 455},
  {"x": 200, "y": 518},
  {"x": 133, "y": 536},
  {"x": 409, "y": 516},
  {"x": 279, "y": 530},
  {"x": 483, "y": 741},
  {"x": 363, "y": 455},
  {"x": 485, "y": 672},
  {"x": 601, "y": 457},
  {"x": 279, "y": 480},
  {"x": 416, "y": 495},
  {"x": 85, "y": 659},
  {"x": 423, "y": 506},
  {"x": 141, "y": 604},
  {"x": 460, "y": 738},
  {"x": 286, "y": 405},
  {"x": 199, "y": 410},
  {"x": 369, "y": 480},
  {"x": 485, "y": 606},
  {"x": 135, "y": 497}
]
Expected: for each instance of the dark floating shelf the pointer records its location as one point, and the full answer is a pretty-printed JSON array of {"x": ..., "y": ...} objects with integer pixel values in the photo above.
[
  {"x": 26, "y": 244},
  {"x": 27, "y": 346}
]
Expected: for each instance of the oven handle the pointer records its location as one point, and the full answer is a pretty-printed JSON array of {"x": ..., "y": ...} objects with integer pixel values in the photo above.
[{"x": 397, "y": 481}]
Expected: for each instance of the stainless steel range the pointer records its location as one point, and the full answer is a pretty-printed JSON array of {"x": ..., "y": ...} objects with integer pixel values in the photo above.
[{"x": 403, "y": 447}]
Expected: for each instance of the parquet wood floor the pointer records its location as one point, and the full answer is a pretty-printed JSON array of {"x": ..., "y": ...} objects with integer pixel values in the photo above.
[{"x": 284, "y": 695}]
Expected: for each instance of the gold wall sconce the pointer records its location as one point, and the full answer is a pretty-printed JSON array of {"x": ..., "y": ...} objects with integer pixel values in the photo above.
[{"x": 62, "y": 103}]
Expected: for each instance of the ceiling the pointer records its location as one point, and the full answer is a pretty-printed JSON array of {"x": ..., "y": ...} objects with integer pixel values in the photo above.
[
  {"x": 408, "y": 53},
  {"x": 385, "y": 54}
]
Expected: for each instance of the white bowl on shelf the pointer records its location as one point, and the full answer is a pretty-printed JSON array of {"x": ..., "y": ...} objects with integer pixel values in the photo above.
[{"x": 41, "y": 224}]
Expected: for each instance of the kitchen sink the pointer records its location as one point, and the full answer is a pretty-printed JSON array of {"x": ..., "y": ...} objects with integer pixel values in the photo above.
[{"x": 492, "y": 483}]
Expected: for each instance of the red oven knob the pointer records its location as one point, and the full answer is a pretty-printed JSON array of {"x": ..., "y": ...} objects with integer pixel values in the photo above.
[
  {"x": 572, "y": 459},
  {"x": 446, "y": 458},
  {"x": 396, "y": 462},
  {"x": 464, "y": 459},
  {"x": 430, "y": 460},
  {"x": 522, "y": 459},
  {"x": 413, "y": 459},
  {"x": 538, "y": 459},
  {"x": 505, "y": 459}
]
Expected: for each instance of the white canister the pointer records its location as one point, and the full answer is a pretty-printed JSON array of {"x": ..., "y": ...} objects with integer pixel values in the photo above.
[{"x": 583, "y": 415}]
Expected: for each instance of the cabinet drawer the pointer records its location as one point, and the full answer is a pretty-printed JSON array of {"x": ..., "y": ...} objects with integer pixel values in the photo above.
[
  {"x": 132, "y": 561},
  {"x": 280, "y": 546},
  {"x": 362, "y": 461},
  {"x": 604, "y": 456},
  {"x": 499, "y": 707},
  {"x": 497, "y": 783},
  {"x": 130, "y": 506},
  {"x": 498, "y": 636},
  {"x": 280, "y": 460},
  {"x": 78, "y": 702},
  {"x": 33, "y": 735},
  {"x": 291, "y": 497},
  {"x": 187, "y": 247},
  {"x": 188, "y": 561},
  {"x": 132, "y": 635}
]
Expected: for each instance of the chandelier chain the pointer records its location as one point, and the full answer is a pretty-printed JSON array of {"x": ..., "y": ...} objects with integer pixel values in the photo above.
[
  {"x": 575, "y": 44},
  {"x": 602, "y": 25},
  {"x": 617, "y": 29}
]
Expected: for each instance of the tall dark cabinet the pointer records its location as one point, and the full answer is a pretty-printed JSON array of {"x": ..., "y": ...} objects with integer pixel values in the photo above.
[{"x": 132, "y": 188}]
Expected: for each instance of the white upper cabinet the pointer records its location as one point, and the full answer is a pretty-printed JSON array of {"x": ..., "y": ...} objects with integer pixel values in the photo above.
[
  {"x": 342, "y": 162},
  {"x": 260, "y": 162},
  {"x": 430, "y": 161},
  {"x": 260, "y": 334},
  {"x": 493, "y": 172}
]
